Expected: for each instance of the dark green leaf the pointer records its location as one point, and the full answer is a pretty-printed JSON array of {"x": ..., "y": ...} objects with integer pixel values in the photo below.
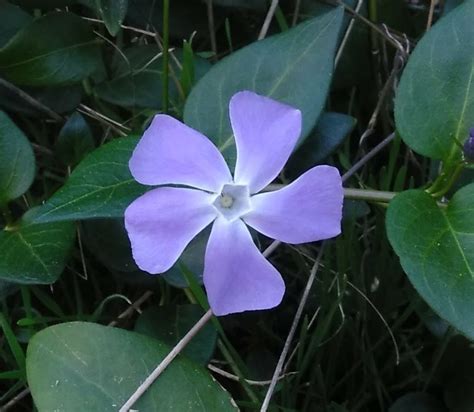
[
  {"x": 434, "y": 106},
  {"x": 112, "y": 12},
  {"x": 17, "y": 162},
  {"x": 329, "y": 133},
  {"x": 436, "y": 250},
  {"x": 417, "y": 402},
  {"x": 13, "y": 19},
  {"x": 35, "y": 253},
  {"x": 58, "y": 48},
  {"x": 75, "y": 140},
  {"x": 101, "y": 186},
  {"x": 294, "y": 67},
  {"x": 87, "y": 367},
  {"x": 171, "y": 322}
]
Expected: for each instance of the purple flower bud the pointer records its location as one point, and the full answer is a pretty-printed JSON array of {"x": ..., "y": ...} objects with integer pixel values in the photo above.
[{"x": 469, "y": 147}]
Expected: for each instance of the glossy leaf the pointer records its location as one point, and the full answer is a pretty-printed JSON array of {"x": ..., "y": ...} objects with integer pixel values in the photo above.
[
  {"x": 294, "y": 67},
  {"x": 67, "y": 361},
  {"x": 434, "y": 106},
  {"x": 58, "y": 48},
  {"x": 75, "y": 140},
  {"x": 35, "y": 254},
  {"x": 17, "y": 161},
  {"x": 100, "y": 186},
  {"x": 436, "y": 250},
  {"x": 112, "y": 12},
  {"x": 171, "y": 322}
]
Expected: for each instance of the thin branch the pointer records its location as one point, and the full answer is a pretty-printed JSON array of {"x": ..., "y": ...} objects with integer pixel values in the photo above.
[
  {"x": 430, "y": 15},
  {"x": 13, "y": 401},
  {"x": 292, "y": 331},
  {"x": 347, "y": 33},
  {"x": 367, "y": 157},
  {"x": 135, "y": 306},
  {"x": 268, "y": 19},
  {"x": 235, "y": 378},
  {"x": 31, "y": 100},
  {"x": 166, "y": 361}
]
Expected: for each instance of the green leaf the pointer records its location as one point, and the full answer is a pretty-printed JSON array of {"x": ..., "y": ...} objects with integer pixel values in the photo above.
[
  {"x": 294, "y": 67},
  {"x": 17, "y": 161},
  {"x": 81, "y": 366},
  {"x": 171, "y": 322},
  {"x": 112, "y": 12},
  {"x": 13, "y": 19},
  {"x": 329, "y": 133},
  {"x": 436, "y": 250},
  {"x": 58, "y": 48},
  {"x": 35, "y": 253},
  {"x": 75, "y": 140},
  {"x": 100, "y": 186},
  {"x": 435, "y": 100}
]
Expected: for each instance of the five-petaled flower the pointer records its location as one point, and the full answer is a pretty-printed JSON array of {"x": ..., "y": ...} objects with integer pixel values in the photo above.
[{"x": 162, "y": 222}]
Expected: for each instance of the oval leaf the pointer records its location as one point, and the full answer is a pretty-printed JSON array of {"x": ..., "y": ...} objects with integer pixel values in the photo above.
[
  {"x": 436, "y": 250},
  {"x": 294, "y": 67},
  {"x": 58, "y": 48},
  {"x": 101, "y": 186},
  {"x": 75, "y": 140},
  {"x": 435, "y": 100},
  {"x": 35, "y": 253},
  {"x": 17, "y": 161},
  {"x": 67, "y": 361}
]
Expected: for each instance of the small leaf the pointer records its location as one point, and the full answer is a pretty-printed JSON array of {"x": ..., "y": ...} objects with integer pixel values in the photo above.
[
  {"x": 171, "y": 322},
  {"x": 35, "y": 253},
  {"x": 67, "y": 361},
  {"x": 17, "y": 161},
  {"x": 112, "y": 12},
  {"x": 100, "y": 186},
  {"x": 434, "y": 105},
  {"x": 294, "y": 67},
  {"x": 58, "y": 48},
  {"x": 75, "y": 140},
  {"x": 436, "y": 250}
]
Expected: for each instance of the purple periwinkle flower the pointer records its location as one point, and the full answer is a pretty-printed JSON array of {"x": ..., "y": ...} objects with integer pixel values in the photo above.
[
  {"x": 162, "y": 222},
  {"x": 468, "y": 147}
]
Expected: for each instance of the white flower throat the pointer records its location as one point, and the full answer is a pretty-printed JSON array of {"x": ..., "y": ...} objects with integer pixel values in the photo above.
[{"x": 233, "y": 202}]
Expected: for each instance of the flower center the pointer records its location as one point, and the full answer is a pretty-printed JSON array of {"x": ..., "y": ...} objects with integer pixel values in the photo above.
[
  {"x": 233, "y": 201},
  {"x": 226, "y": 200}
]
